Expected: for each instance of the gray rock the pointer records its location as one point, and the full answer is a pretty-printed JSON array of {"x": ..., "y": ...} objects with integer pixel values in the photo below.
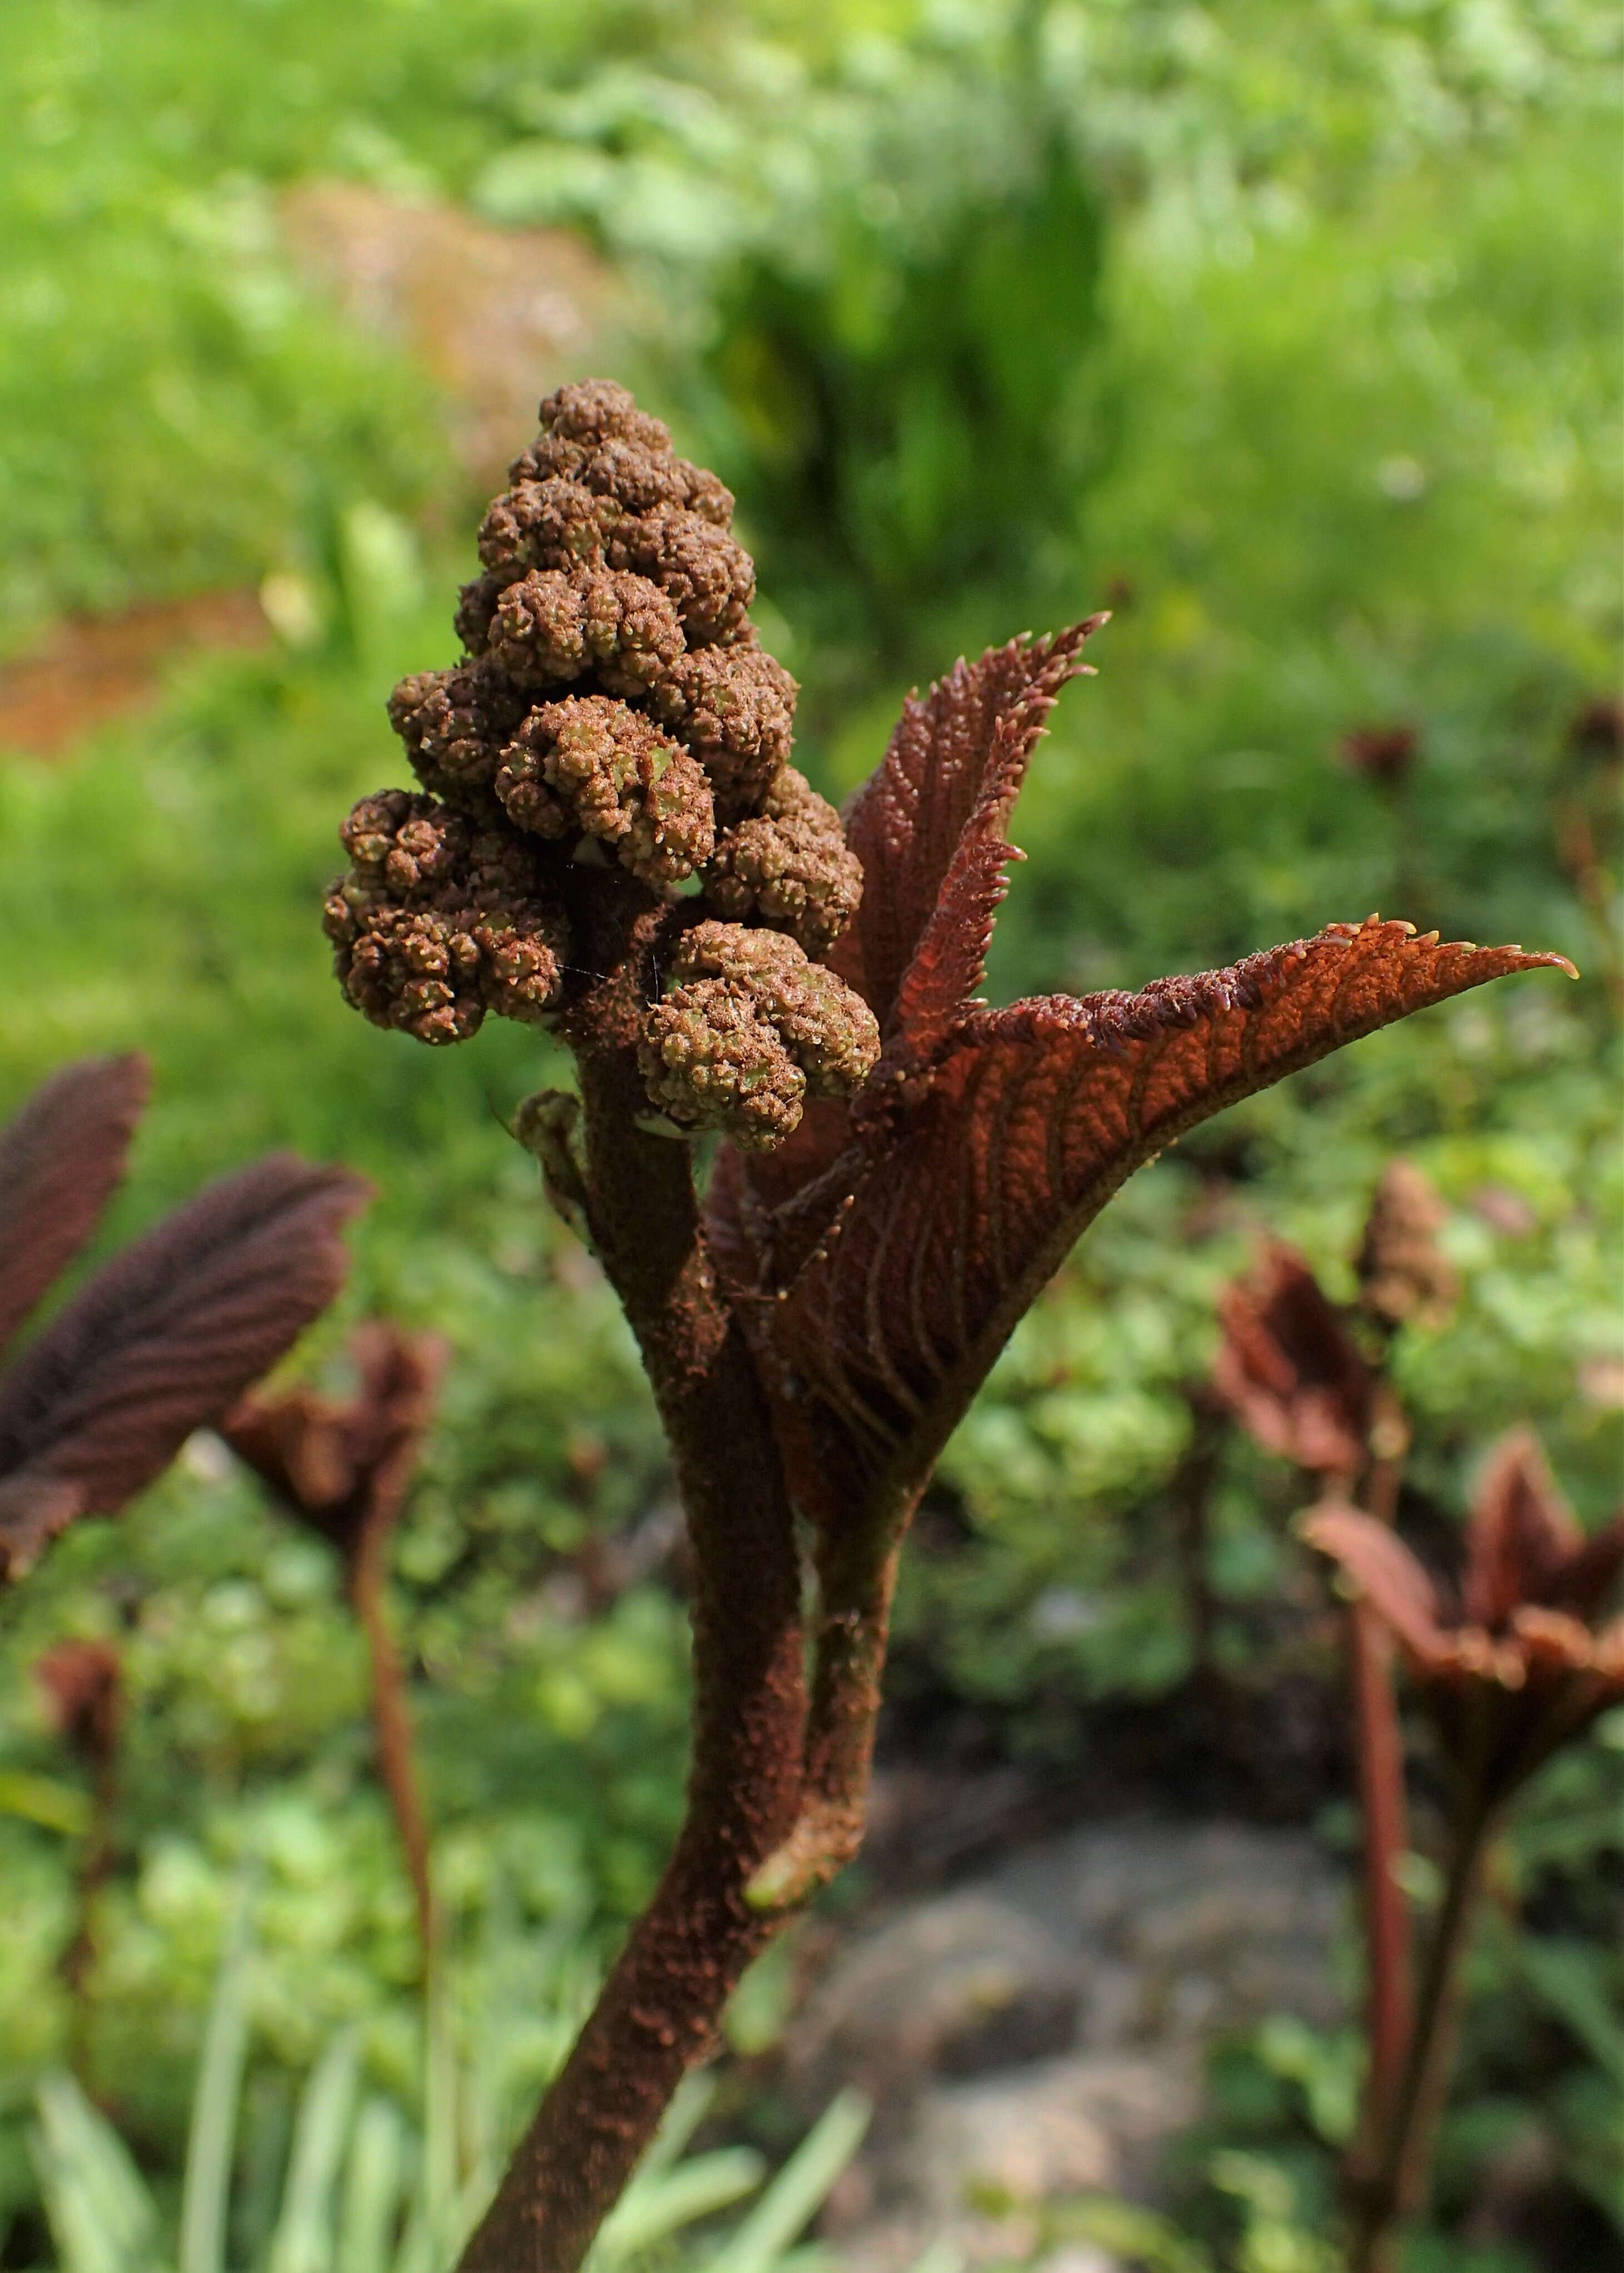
[
  {"x": 954, "y": 1985},
  {"x": 1091, "y": 2122},
  {"x": 1040, "y": 2030}
]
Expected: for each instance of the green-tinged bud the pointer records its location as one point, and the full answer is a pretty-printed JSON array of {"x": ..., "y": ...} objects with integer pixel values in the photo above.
[
  {"x": 710, "y": 1062},
  {"x": 596, "y": 765},
  {"x": 789, "y": 867},
  {"x": 547, "y": 525},
  {"x": 707, "y": 575},
  {"x": 750, "y": 1030}
]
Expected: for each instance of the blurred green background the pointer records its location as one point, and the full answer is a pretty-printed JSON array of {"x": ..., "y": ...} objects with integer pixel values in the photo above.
[{"x": 1291, "y": 334}]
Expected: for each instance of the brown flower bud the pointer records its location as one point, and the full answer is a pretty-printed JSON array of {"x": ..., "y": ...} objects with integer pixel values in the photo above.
[
  {"x": 1403, "y": 1274},
  {"x": 596, "y": 410},
  {"x": 734, "y": 708},
  {"x": 454, "y": 724},
  {"x": 789, "y": 867},
  {"x": 553, "y": 626},
  {"x": 438, "y": 922},
  {"x": 596, "y": 765},
  {"x": 476, "y": 606},
  {"x": 634, "y": 476},
  {"x": 546, "y": 524},
  {"x": 702, "y": 570},
  {"x": 580, "y": 714}
]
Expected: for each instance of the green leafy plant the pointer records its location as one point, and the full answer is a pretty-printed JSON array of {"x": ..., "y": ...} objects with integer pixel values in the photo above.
[{"x": 362, "y": 2191}]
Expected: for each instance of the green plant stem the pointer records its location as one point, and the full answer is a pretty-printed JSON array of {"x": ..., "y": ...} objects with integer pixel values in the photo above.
[
  {"x": 663, "y": 2003},
  {"x": 1386, "y": 2197}
]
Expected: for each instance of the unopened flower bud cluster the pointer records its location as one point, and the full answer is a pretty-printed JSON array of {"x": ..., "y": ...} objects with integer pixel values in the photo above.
[{"x": 611, "y": 694}]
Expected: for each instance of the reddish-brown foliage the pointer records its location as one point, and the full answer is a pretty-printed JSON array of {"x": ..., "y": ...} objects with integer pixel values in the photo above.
[
  {"x": 961, "y": 1190},
  {"x": 62, "y": 1159},
  {"x": 338, "y": 1462},
  {"x": 1288, "y": 1370},
  {"x": 1517, "y": 1659},
  {"x": 167, "y": 1336},
  {"x": 82, "y": 1684},
  {"x": 903, "y": 1167},
  {"x": 342, "y": 1464}
]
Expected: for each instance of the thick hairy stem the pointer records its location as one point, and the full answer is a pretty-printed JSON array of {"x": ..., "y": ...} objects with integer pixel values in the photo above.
[
  {"x": 857, "y": 1575},
  {"x": 398, "y": 1764},
  {"x": 1383, "y": 2200},
  {"x": 1379, "y": 1747},
  {"x": 661, "y": 2006}
]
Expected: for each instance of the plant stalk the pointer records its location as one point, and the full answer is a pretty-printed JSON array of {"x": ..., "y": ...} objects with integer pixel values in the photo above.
[
  {"x": 1379, "y": 1747},
  {"x": 857, "y": 1577},
  {"x": 95, "y": 1868},
  {"x": 391, "y": 1722},
  {"x": 661, "y": 2008},
  {"x": 1384, "y": 2200}
]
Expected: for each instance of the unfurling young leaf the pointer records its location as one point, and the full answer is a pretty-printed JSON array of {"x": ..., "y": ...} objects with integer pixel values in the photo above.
[
  {"x": 931, "y": 828},
  {"x": 1288, "y": 1370},
  {"x": 1521, "y": 1658},
  {"x": 335, "y": 1461}
]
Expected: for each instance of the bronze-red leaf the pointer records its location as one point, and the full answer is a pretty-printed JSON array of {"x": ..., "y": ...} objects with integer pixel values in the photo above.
[
  {"x": 1590, "y": 1574},
  {"x": 967, "y": 1197},
  {"x": 338, "y": 1462},
  {"x": 62, "y": 1158},
  {"x": 165, "y": 1338},
  {"x": 930, "y": 827},
  {"x": 81, "y": 1683},
  {"x": 1522, "y": 1532},
  {"x": 1288, "y": 1370},
  {"x": 1389, "y": 1577}
]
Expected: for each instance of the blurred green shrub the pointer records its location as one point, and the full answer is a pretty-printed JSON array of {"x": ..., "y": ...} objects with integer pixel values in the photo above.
[
  {"x": 1319, "y": 308},
  {"x": 356, "y": 2184}
]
